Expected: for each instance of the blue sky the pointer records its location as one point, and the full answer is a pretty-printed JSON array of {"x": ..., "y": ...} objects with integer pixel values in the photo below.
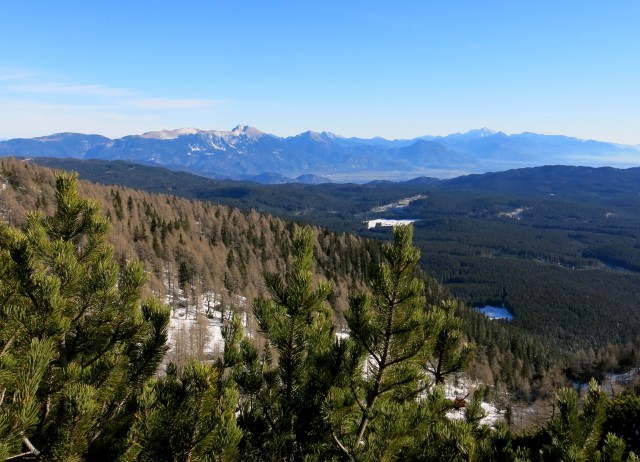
[{"x": 356, "y": 68}]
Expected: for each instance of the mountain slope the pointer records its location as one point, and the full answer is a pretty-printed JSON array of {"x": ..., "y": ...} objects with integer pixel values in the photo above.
[
  {"x": 247, "y": 153},
  {"x": 552, "y": 243},
  {"x": 73, "y": 145},
  {"x": 604, "y": 185},
  {"x": 199, "y": 249}
]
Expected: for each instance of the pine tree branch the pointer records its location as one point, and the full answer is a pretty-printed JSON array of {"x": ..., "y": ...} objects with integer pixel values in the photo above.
[
  {"x": 7, "y": 345},
  {"x": 355, "y": 396},
  {"x": 83, "y": 310},
  {"x": 18, "y": 456},
  {"x": 390, "y": 387},
  {"x": 341, "y": 446},
  {"x": 32, "y": 450},
  {"x": 114, "y": 338},
  {"x": 195, "y": 440},
  {"x": 30, "y": 446},
  {"x": 404, "y": 358},
  {"x": 366, "y": 346}
]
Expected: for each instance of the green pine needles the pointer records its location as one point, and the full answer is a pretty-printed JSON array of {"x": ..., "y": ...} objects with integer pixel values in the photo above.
[
  {"x": 77, "y": 342},
  {"x": 286, "y": 422},
  {"x": 392, "y": 337}
]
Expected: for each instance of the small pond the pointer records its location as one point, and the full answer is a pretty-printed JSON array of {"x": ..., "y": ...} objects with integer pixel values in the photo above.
[{"x": 494, "y": 312}]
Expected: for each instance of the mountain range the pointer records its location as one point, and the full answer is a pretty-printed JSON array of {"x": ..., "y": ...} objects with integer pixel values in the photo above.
[{"x": 246, "y": 153}]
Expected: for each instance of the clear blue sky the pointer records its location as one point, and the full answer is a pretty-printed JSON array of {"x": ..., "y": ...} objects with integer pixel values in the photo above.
[{"x": 356, "y": 68}]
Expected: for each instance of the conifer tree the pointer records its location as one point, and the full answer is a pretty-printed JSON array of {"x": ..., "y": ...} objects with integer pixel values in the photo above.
[
  {"x": 76, "y": 342},
  {"x": 576, "y": 434},
  {"x": 451, "y": 353},
  {"x": 286, "y": 422},
  {"x": 392, "y": 336},
  {"x": 623, "y": 418},
  {"x": 187, "y": 415}
]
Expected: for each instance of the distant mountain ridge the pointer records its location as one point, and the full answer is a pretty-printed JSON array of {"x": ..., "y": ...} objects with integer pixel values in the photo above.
[{"x": 246, "y": 153}]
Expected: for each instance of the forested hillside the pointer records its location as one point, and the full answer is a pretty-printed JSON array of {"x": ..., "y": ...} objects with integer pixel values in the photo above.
[
  {"x": 556, "y": 245},
  {"x": 192, "y": 248},
  {"x": 79, "y": 346},
  {"x": 200, "y": 246},
  {"x": 538, "y": 262}
]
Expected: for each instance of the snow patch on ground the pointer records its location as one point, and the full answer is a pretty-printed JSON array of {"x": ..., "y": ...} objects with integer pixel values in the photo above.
[
  {"x": 462, "y": 388},
  {"x": 398, "y": 204},
  {"x": 342, "y": 336},
  {"x": 387, "y": 223},
  {"x": 195, "y": 326}
]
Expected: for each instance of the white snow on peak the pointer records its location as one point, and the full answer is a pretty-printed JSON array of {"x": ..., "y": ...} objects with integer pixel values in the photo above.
[
  {"x": 245, "y": 130},
  {"x": 170, "y": 134},
  {"x": 310, "y": 134},
  {"x": 315, "y": 136},
  {"x": 481, "y": 132}
]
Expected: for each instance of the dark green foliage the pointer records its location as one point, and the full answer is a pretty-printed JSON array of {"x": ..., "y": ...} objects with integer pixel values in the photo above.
[
  {"x": 117, "y": 204},
  {"x": 285, "y": 421},
  {"x": 188, "y": 415},
  {"x": 575, "y": 435},
  {"x": 451, "y": 352},
  {"x": 576, "y": 432},
  {"x": 77, "y": 344},
  {"x": 21, "y": 372},
  {"x": 186, "y": 273},
  {"x": 392, "y": 335},
  {"x": 623, "y": 419}
]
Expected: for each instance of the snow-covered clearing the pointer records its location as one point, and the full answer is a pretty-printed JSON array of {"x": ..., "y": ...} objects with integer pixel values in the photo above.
[
  {"x": 398, "y": 204},
  {"x": 516, "y": 214},
  {"x": 462, "y": 388},
  {"x": 195, "y": 326},
  {"x": 386, "y": 223}
]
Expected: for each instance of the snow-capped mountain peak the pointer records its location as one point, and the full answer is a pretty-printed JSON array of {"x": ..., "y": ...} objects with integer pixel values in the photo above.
[
  {"x": 170, "y": 134},
  {"x": 331, "y": 136},
  {"x": 245, "y": 130},
  {"x": 481, "y": 132},
  {"x": 245, "y": 152}
]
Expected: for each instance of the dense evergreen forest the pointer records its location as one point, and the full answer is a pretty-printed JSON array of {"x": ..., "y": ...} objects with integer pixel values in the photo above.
[
  {"x": 80, "y": 348},
  {"x": 556, "y": 245},
  {"x": 195, "y": 249}
]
